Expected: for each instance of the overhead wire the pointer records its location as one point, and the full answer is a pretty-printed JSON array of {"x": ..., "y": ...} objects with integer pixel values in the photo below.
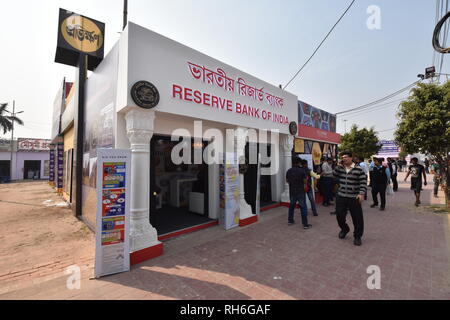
[
  {"x": 367, "y": 105},
  {"x": 375, "y": 108},
  {"x": 318, "y": 47}
]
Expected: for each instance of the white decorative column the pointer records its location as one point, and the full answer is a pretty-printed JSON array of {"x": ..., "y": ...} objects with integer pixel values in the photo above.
[
  {"x": 287, "y": 143},
  {"x": 245, "y": 208},
  {"x": 140, "y": 125}
]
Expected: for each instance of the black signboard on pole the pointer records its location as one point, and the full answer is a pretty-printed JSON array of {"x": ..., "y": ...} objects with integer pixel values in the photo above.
[{"x": 78, "y": 35}]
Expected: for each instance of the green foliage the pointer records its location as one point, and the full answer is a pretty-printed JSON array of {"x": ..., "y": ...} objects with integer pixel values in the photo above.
[
  {"x": 361, "y": 142},
  {"x": 425, "y": 120},
  {"x": 6, "y": 122},
  {"x": 424, "y": 125}
]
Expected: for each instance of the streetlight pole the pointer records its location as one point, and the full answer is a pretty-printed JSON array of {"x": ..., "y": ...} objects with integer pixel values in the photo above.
[
  {"x": 13, "y": 114},
  {"x": 125, "y": 13}
]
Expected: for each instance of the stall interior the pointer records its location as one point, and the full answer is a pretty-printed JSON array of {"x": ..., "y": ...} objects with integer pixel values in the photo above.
[
  {"x": 32, "y": 169},
  {"x": 178, "y": 192}
]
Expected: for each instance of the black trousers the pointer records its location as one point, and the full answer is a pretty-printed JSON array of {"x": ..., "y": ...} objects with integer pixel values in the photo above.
[
  {"x": 343, "y": 205},
  {"x": 394, "y": 182},
  {"x": 381, "y": 189}
]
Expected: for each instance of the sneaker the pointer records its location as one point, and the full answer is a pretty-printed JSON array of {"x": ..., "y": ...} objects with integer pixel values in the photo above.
[
  {"x": 291, "y": 223},
  {"x": 307, "y": 226},
  {"x": 374, "y": 205},
  {"x": 315, "y": 214},
  {"x": 357, "y": 242},
  {"x": 382, "y": 209},
  {"x": 342, "y": 234}
]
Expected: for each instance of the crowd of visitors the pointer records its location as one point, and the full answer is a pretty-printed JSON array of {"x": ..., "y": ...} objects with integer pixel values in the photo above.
[{"x": 347, "y": 181}]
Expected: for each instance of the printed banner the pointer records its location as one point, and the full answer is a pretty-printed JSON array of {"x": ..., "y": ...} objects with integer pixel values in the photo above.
[
  {"x": 51, "y": 177},
  {"x": 229, "y": 192},
  {"x": 60, "y": 166},
  {"x": 112, "y": 253}
]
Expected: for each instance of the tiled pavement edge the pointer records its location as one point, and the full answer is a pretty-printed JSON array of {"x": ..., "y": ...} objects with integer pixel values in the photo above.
[{"x": 271, "y": 260}]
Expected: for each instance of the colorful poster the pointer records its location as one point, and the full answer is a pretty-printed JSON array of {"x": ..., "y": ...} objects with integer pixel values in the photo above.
[
  {"x": 113, "y": 230},
  {"x": 113, "y": 175},
  {"x": 315, "y": 117},
  {"x": 112, "y": 253},
  {"x": 113, "y": 202},
  {"x": 299, "y": 145},
  {"x": 316, "y": 153}
]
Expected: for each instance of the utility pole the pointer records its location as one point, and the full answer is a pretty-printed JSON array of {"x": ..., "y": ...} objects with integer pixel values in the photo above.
[
  {"x": 13, "y": 115},
  {"x": 125, "y": 13}
]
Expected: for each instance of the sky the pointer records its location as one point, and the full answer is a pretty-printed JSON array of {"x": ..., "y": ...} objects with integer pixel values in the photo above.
[{"x": 267, "y": 39}]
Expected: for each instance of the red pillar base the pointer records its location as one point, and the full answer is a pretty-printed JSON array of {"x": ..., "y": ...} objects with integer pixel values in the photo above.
[
  {"x": 146, "y": 254},
  {"x": 247, "y": 221}
]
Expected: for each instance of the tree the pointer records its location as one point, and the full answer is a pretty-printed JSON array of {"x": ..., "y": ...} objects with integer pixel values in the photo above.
[
  {"x": 424, "y": 125},
  {"x": 6, "y": 122},
  {"x": 363, "y": 142}
]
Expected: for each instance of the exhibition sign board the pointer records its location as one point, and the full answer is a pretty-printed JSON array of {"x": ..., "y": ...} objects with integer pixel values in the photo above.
[
  {"x": 112, "y": 249},
  {"x": 77, "y": 35},
  {"x": 229, "y": 192},
  {"x": 195, "y": 85}
]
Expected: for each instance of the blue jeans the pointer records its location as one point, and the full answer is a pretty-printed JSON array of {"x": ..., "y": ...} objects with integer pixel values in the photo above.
[
  {"x": 301, "y": 199},
  {"x": 312, "y": 201}
]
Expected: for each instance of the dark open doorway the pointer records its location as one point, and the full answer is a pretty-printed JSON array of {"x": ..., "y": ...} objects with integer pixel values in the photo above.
[
  {"x": 32, "y": 169},
  {"x": 5, "y": 171},
  {"x": 251, "y": 178},
  {"x": 178, "y": 193}
]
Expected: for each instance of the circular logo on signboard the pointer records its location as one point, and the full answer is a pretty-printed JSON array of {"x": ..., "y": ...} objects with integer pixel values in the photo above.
[
  {"x": 293, "y": 128},
  {"x": 82, "y": 34},
  {"x": 145, "y": 94}
]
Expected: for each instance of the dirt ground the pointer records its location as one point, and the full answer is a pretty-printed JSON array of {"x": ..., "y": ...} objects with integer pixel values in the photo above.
[{"x": 38, "y": 238}]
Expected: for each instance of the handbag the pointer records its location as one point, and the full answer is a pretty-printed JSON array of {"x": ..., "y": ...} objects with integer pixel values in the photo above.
[{"x": 389, "y": 190}]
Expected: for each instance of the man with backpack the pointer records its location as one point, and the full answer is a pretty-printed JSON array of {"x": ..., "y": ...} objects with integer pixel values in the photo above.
[
  {"x": 296, "y": 178},
  {"x": 381, "y": 176}
]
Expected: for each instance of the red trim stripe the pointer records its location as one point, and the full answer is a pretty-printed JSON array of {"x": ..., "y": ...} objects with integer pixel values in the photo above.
[
  {"x": 146, "y": 254},
  {"x": 187, "y": 230},
  {"x": 272, "y": 206},
  {"x": 247, "y": 221}
]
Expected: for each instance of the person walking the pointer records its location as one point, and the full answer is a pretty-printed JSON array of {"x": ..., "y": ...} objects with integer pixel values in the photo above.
[
  {"x": 352, "y": 186},
  {"x": 296, "y": 178},
  {"x": 363, "y": 165},
  {"x": 393, "y": 168},
  {"x": 327, "y": 181},
  {"x": 309, "y": 192},
  {"x": 427, "y": 165},
  {"x": 416, "y": 171},
  {"x": 381, "y": 177},
  {"x": 437, "y": 177}
]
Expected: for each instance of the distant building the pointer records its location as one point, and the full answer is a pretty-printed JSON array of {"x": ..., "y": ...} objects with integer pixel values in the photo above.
[{"x": 30, "y": 159}]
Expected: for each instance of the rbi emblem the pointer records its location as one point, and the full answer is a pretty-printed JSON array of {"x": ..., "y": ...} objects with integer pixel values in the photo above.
[
  {"x": 145, "y": 94},
  {"x": 293, "y": 128}
]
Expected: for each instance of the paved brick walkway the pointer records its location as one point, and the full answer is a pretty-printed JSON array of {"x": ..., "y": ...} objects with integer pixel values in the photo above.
[{"x": 271, "y": 260}]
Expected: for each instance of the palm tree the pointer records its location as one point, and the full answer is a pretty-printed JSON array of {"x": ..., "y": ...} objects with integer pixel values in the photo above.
[{"x": 7, "y": 122}]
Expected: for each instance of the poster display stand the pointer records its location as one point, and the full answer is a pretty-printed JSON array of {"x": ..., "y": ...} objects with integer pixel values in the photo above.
[
  {"x": 112, "y": 247},
  {"x": 229, "y": 192}
]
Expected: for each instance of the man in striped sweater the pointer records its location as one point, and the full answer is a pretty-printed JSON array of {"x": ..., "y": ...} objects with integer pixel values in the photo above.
[{"x": 352, "y": 187}]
